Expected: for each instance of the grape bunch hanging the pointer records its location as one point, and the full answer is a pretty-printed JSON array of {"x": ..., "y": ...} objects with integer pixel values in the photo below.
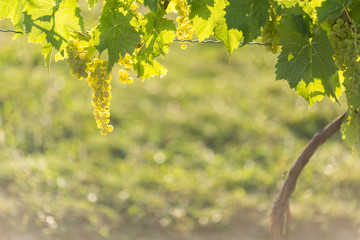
[
  {"x": 346, "y": 44},
  {"x": 95, "y": 72}
]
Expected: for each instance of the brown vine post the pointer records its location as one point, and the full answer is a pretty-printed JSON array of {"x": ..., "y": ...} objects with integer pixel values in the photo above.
[{"x": 280, "y": 212}]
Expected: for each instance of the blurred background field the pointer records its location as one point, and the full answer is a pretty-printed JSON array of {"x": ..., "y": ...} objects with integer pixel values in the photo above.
[{"x": 198, "y": 154}]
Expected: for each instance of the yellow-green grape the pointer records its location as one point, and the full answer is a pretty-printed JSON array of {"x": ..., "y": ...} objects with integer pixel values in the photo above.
[
  {"x": 184, "y": 29},
  {"x": 99, "y": 80},
  {"x": 269, "y": 34},
  {"x": 346, "y": 48},
  {"x": 124, "y": 77},
  {"x": 110, "y": 128},
  {"x": 134, "y": 7},
  {"x": 127, "y": 62},
  {"x": 78, "y": 59}
]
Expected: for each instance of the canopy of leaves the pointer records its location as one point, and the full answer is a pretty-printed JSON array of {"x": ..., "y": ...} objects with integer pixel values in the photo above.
[
  {"x": 12, "y": 9},
  {"x": 158, "y": 34},
  {"x": 204, "y": 27},
  {"x": 305, "y": 61},
  {"x": 332, "y": 9},
  {"x": 200, "y": 8},
  {"x": 91, "y": 3},
  {"x": 52, "y": 21},
  {"x": 152, "y": 4},
  {"x": 117, "y": 35},
  {"x": 247, "y": 16},
  {"x": 306, "y": 58}
]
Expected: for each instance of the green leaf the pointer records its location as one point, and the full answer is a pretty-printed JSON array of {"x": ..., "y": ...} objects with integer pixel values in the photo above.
[
  {"x": 152, "y": 4},
  {"x": 52, "y": 21},
  {"x": 350, "y": 129},
  {"x": 312, "y": 92},
  {"x": 352, "y": 95},
  {"x": 306, "y": 59},
  {"x": 200, "y": 8},
  {"x": 12, "y": 9},
  {"x": 147, "y": 70},
  {"x": 117, "y": 35},
  {"x": 46, "y": 50},
  {"x": 288, "y": 3},
  {"x": 355, "y": 11},
  {"x": 332, "y": 9},
  {"x": 336, "y": 85},
  {"x": 158, "y": 35},
  {"x": 91, "y": 3},
  {"x": 205, "y": 27},
  {"x": 247, "y": 16},
  {"x": 230, "y": 38}
]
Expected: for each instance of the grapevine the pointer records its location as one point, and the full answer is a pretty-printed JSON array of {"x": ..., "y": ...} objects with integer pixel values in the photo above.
[
  {"x": 317, "y": 42},
  {"x": 134, "y": 38}
]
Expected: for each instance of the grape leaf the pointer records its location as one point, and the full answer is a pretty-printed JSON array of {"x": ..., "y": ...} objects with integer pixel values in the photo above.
[
  {"x": 230, "y": 38},
  {"x": 247, "y": 16},
  {"x": 91, "y": 3},
  {"x": 46, "y": 50},
  {"x": 288, "y": 3},
  {"x": 147, "y": 70},
  {"x": 205, "y": 27},
  {"x": 332, "y": 9},
  {"x": 305, "y": 59},
  {"x": 312, "y": 92},
  {"x": 52, "y": 21},
  {"x": 152, "y": 4},
  {"x": 200, "y": 8},
  {"x": 355, "y": 11},
  {"x": 117, "y": 35},
  {"x": 337, "y": 85},
  {"x": 12, "y": 9},
  {"x": 158, "y": 35},
  {"x": 350, "y": 129}
]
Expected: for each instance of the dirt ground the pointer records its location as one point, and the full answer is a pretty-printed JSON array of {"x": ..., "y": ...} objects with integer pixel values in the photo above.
[{"x": 251, "y": 229}]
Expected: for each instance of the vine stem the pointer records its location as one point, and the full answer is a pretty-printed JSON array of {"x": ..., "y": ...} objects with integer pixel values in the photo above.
[
  {"x": 334, "y": 33},
  {"x": 279, "y": 227},
  {"x": 13, "y": 31},
  {"x": 214, "y": 41}
]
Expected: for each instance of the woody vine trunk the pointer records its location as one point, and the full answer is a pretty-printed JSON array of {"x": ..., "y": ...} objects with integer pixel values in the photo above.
[{"x": 279, "y": 228}]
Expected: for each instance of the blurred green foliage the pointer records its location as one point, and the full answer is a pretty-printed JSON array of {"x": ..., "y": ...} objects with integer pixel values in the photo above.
[{"x": 197, "y": 148}]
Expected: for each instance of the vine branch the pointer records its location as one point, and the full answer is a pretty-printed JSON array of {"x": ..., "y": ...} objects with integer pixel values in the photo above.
[
  {"x": 279, "y": 228},
  {"x": 214, "y": 41},
  {"x": 13, "y": 31}
]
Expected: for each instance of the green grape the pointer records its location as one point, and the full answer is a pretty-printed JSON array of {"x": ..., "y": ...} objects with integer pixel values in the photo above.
[
  {"x": 110, "y": 128},
  {"x": 184, "y": 29},
  {"x": 269, "y": 34},
  {"x": 99, "y": 81},
  {"x": 345, "y": 43},
  {"x": 78, "y": 59}
]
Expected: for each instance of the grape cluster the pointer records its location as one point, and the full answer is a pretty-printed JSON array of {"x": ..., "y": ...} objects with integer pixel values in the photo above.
[
  {"x": 346, "y": 53},
  {"x": 184, "y": 30},
  {"x": 78, "y": 59},
  {"x": 134, "y": 8},
  {"x": 99, "y": 81},
  {"x": 269, "y": 34},
  {"x": 127, "y": 62}
]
